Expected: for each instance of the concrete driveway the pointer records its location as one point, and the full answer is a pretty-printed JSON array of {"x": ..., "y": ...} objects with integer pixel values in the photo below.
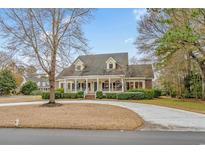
[{"x": 156, "y": 117}]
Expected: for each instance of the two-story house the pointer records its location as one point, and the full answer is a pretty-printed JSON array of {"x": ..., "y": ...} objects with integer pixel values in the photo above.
[{"x": 104, "y": 72}]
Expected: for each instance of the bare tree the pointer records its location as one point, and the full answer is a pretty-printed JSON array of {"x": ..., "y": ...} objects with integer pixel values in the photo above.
[{"x": 48, "y": 36}]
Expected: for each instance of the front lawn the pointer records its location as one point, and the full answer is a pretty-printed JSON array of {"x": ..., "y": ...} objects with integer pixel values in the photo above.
[
  {"x": 15, "y": 99},
  {"x": 79, "y": 116},
  {"x": 189, "y": 105}
]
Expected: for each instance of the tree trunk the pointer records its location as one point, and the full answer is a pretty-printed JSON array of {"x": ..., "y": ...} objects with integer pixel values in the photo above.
[
  {"x": 52, "y": 88},
  {"x": 202, "y": 66},
  {"x": 52, "y": 78}
]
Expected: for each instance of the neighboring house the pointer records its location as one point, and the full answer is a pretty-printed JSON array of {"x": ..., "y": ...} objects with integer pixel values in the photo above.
[
  {"x": 41, "y": 81},
  {"x": 104, "y": 72}
]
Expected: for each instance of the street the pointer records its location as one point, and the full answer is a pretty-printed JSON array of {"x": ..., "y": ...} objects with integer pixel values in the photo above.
[{"x": 20, "y": 136}]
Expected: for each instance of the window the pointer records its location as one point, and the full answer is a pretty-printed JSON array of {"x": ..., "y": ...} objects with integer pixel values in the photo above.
[
  {"x": 111, "y": 63},
  {"x": 69, "y": 86},
  {"x": 117, "y": 85},
  {"x": 110, "y": 66},
  {"x": 140, "y": 85},
  {"x": 44, "y": 84},
  {"x": 61, "y": 85},
  {"x": 78, "y": 68},
  {"x": 105, "y": 85}
]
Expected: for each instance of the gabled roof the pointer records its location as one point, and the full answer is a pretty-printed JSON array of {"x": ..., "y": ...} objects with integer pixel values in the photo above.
[
  {"x": 140, "y": 70},
  {"x": 96, "y": 65}
]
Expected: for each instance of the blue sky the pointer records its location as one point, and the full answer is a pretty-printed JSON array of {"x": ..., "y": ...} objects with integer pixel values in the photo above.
[{"x": 113, "y": 30}]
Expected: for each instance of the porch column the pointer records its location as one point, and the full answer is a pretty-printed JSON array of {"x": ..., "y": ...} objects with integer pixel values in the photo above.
[
  {"x": 122, "y": 81},
  {"x": 65, "y": 86},
  {"x": 86, "y": 86},
  {"x": 109, "y": 84},
  {"x": 75, "y": 85},
  {"x": 97, "y": 84},
  {"x": 81, "y": 87}
]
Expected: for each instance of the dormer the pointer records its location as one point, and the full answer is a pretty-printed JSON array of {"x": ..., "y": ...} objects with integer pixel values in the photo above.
[
  {"x": 79, "y": 65},
  {"x": 111, "y": 63}
]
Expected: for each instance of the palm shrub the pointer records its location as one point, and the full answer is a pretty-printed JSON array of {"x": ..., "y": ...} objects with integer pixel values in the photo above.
[{"x": 28, "y": 87}]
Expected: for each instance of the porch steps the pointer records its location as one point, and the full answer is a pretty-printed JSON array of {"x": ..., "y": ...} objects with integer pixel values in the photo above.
[{"x": 90, "y": 96}]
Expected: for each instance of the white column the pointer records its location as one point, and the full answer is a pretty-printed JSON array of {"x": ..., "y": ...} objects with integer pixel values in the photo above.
[
  {"x": 75, "y": 85},
  {"x": 86, "y": 86},
  {"x": 97, "y": 84},
  {"x": 81, "y": 86},
  {"x": 109, "y": 84},
  {"x": 122, "y": 81},
  {"x": 65, "y": 86}
]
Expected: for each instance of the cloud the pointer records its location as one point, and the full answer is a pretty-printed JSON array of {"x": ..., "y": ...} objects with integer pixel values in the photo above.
[
  {"x": 138, "y": 13},
  {"x": 129, "y": 40}
]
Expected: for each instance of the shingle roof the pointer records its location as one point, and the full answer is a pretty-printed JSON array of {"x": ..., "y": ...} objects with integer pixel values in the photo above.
[
  {"x": 96, "y": 65},
  {"x": 140, "y": 70}
]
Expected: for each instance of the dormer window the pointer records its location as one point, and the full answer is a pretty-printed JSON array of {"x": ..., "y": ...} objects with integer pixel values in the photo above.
[
  {"x": 111, "y": 66},
  {"x": 111, "y": 63},
  {"x": 79, "y": 65},
  {"x": 78, "y": 68}
]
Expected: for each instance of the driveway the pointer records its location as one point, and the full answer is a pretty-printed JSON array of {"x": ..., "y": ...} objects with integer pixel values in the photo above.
[{"x": 156, "y": 117}]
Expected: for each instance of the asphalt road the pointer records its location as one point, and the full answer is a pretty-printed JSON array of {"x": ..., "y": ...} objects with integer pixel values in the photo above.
[{"x": 88, "y": 137}]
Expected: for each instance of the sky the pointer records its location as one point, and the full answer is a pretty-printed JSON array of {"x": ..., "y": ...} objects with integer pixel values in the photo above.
[{"x": 113, "y": 30}]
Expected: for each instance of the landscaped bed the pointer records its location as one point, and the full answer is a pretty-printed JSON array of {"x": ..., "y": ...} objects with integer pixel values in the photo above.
[{"x": 80, "y": 116}]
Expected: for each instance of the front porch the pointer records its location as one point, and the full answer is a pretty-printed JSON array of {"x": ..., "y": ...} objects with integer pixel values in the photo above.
[{"x": 100, "y": 83}]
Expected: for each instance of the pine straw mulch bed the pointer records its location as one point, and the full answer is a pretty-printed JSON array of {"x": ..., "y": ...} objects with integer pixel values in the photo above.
[{"x": 72, "y": 116}]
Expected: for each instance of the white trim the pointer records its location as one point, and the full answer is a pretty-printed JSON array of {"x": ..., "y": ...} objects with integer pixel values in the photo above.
[
  {"x": 112, "y": 61},
  {"x": 92, "y": 77}
]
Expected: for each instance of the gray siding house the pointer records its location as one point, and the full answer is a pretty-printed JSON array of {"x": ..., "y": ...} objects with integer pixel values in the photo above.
[{"x": 104, "y": 72}]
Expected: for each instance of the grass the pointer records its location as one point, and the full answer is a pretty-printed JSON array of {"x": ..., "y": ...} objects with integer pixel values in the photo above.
[
  {"x": 16, "y": 99},
  {"x": 188, "y": 104},
  {"x": 73, "y": 116}
]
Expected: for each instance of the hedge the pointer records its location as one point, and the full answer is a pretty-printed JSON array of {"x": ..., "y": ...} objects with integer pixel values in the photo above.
[
  {"x": 149, "y": 93},
  {"x": 99, "y": 94},
  {"x": 59, "y": 95},
  {"x": 157, "y": 93},
  {"x": 131, "y": 95},
  {"x": 61, "y": 90},
  {"x": 111, "y": 95}
]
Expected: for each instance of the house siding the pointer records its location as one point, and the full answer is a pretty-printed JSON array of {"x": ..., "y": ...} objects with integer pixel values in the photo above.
[{"x": 148, "y": 84}]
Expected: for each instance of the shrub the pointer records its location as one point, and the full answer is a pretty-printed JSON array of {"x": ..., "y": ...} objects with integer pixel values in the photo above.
[
  {"x": 28, "y": 87},
  {"x": 7, "y": 82},
  {"x": 173, "y": 94},
  {"x": 45, "y": 95},
  {"x": 157, "y": 93},
  {"x": 131, "y": 95},
  {"x": 99, "y": 94},
  {"x": 111, "y": 95},
  {"x": 36, "y": 92},
  {"x": 58, "y": 95},
  {"x": 80, "y": 94},
  {"x": 149, "y": 93},
  {"x": 61, "y": 90}
]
